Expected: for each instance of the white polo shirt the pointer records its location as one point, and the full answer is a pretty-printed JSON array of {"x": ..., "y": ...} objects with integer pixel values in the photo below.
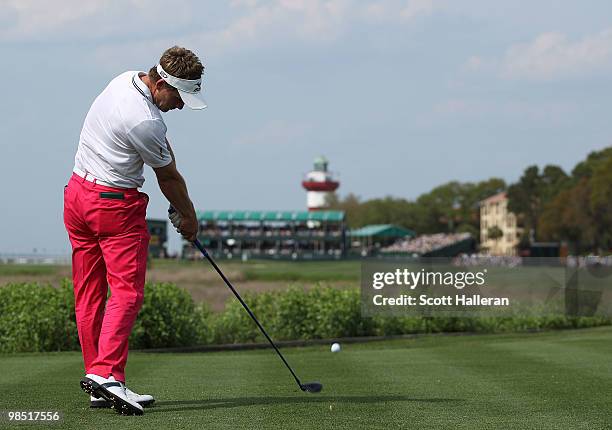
[{"x": 123, "y": 130}]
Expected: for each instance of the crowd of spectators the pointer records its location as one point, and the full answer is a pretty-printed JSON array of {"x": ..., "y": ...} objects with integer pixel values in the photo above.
[
  {"x": 589, "y": 260},
  {"x": 426, "y": 243},
  {"x": 272, "y": 230},
  {"x": 467, "y": 260}
]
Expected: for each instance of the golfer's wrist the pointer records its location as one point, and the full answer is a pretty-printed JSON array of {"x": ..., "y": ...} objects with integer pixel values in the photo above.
[{"x": 191, "y": 218}]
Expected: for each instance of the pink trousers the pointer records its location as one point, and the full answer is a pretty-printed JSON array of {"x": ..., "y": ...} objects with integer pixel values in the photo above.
[{"x": 109, "y": 238}]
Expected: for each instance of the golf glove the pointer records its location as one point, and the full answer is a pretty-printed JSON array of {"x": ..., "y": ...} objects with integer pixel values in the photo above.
[{"x": 175, "y": 219}]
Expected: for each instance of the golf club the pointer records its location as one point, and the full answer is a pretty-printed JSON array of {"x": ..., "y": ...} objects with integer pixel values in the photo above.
[{"x": 311, "y": 387}]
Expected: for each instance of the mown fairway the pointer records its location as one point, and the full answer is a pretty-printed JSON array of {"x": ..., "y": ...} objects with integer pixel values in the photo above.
[{"x": 548, "y": 380}]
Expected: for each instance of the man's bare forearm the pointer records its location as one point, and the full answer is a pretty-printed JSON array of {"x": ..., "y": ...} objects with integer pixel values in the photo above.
[
  {"x": 174, "y": 187},
  {"x": 175, "y": 190}
]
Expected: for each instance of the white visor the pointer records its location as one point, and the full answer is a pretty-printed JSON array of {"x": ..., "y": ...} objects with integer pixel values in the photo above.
[{"x": 189, "y": 89}]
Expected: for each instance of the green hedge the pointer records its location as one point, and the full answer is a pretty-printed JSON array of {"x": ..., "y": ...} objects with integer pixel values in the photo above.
[
  {"x": 169, "y": 318},
  {"x": 319, "y": 313},
  {"x": 327, "y": 313},
  {"x": 37, "y": 318},
  {"x": 41, "y": 318}
]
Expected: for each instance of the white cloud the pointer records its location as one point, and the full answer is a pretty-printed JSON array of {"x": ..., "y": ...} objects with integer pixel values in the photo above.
[
  {"x": 66, "y": 19},
  {"x": 31, "y": 18},
  {"x": 416, "y": 8},
  {"x": 551, "y": 56},
  {"x": 314, "y": 21},
  {"x": 395, "y": 10},
  {"x": 130, "y": 31},
  {"x": 474, "y": 63},
  {"x": 243, "y": 3},
  {"x": 376, "y": 11},
  {"x": 245, "y": 21}
]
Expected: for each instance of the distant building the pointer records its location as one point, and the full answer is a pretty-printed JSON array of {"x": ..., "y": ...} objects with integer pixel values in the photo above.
[
  {"x": 271, "y": 234},
  {"x": 494, "y": 213},
  {"x": 158, "y": 229},
  {"x": 319, "y": 184},
  {"x": 370, "y": 239}
]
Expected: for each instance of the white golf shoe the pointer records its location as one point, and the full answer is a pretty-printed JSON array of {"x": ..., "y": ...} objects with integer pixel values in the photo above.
[
  {"x": 112, "y": 391},
  {"x": 141, "y": 399}
]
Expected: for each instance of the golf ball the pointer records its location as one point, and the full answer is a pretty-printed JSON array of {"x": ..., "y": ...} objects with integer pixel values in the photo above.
[{"x": 335, "y": 347}]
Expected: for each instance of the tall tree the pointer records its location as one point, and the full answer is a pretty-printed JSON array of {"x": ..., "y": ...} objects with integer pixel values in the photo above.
[
  {"x": 523, "y": 199},
  {"x": 586, "y": 168},
  {"x": 568, "y": 217},
  {"x": 528, "y": 197},
  {"x": 351, "y": 205},
  {"x": 552, "y": 181},
  {"x": 581, "y": 213},
  {"x": 601, "y": 203}
]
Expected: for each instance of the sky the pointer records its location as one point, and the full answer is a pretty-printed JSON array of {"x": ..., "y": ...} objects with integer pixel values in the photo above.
[{"x": 400, "y": 96}]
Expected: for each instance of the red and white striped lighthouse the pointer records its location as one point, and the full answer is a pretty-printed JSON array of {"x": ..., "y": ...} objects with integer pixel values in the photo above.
[{"x": 319, "y": 183}]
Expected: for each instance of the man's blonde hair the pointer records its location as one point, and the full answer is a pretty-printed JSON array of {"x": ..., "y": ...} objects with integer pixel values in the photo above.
[{"x": 178, "y": 62}]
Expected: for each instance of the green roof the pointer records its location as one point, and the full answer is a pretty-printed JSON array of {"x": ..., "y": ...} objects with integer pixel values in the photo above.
[
  {"x": 382, "y": 230},
  {"x": 270, "y": 215}
]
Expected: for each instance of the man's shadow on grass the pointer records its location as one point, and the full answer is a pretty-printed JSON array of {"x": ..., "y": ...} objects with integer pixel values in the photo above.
[{"x": 236, "y": 402}]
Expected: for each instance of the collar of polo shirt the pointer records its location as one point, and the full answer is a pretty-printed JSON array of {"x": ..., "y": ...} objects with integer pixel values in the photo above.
[{"x": 190, "y": 90}]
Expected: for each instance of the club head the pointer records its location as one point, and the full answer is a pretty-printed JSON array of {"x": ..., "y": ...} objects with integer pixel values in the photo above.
[{"x": 312, "y": 387}]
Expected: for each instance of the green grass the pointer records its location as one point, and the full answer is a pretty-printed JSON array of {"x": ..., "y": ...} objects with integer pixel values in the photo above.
[
  {"x": 27, "y": 269},
  {"x": 252, "y": 270},
  {"x": 546, "y": 381},
  {"x": 271, "y": 270},
  {"x": 312, "y": 271}
]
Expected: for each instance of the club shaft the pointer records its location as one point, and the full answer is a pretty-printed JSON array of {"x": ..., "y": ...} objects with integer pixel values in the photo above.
[{"x": 245, "y": 306}]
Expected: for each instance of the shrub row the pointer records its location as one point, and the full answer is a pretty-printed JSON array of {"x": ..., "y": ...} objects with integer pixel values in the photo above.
[
  {"x": 37, "y": 318},
  {"x": 41, "y": 318}
]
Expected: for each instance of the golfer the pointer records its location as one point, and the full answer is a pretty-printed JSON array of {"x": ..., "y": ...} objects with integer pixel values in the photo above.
[{"x": 104, "y": 213}]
